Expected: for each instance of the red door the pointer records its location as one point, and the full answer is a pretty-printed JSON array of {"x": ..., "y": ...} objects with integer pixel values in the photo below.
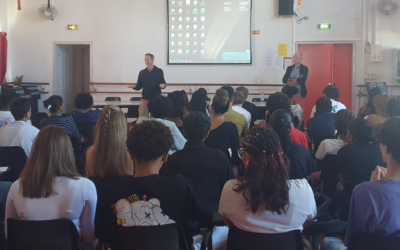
[{"x": 343, "y": 73}]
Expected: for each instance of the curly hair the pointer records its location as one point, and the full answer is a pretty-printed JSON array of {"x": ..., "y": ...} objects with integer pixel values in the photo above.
[
  {"x": 220, "y": 102},
  {"x": 393, "y": 107},
  {"x": 230, "y": 92},
  {"x": 390, "y": 135},
  {"x": 199, "y": 101},
  {"x": 266, "y": 180},
  {"x": 179, "y": 104},
  {"x": 278, "y": 101},
  {"x": 290, "y": 91},
  {"x": 380, "y": 104},
  {"x": 149, "y": 140},
  {"x": 83, "y": 101},
  {"x": 281, "y": 122},
  {"x": 196, "y": 126},
  {"x": 323, "y": 105},
  {"x": 362, "y": 131},
  {"x": 53, "y": 103},
  {"x": 244, "y": 90},
  {"x": 160, "y": 106},
  {"x": 331, "y": 92},
  {"x": 342, "y": 120}
]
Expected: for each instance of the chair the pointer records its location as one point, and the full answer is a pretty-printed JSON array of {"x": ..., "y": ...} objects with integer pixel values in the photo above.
[
  {"x": 211, "y": 188},
  {"x": 87, "y": 130},
  {"x": 58, "y": 234},
  {"x": 133, "y": 112},
  {"x": 239, "y": 240},
  {"x": 365, "y": 241},
  {"x": 329, "y": 175},
  {"x": 113, "y": 99},
  {"x": 36, "y": 118},
  {"x": 316, "y": 229},
  {"x": 15, "y": 159}
]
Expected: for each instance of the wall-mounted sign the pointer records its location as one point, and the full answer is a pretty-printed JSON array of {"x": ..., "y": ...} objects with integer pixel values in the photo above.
[
  {"x": 256, "y": 32},
  {"x": 324, "y": 26}
]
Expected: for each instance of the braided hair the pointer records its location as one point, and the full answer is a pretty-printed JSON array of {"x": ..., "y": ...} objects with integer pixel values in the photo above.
[
  {"x": 323, "y": 105},
  {"x": 199, "y": 101},
  {"x": 179, "y": 104},
  {"x": 265, "y": 180},
  {"x": 342, "y": 120},
  {"x": 281, "y": 122}
]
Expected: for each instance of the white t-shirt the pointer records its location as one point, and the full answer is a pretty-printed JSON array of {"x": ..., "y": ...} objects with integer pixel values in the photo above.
[
  {"x": 301, "y": 208},
  {"x": 329, "y": 147},
  {"x": 244, "y": 112},
  {"x": 19, "y": 134},
  {"x": 297, "y": 110},
  {"x": 336, "y": 106},
  {"x": 73, "y": 199},
  {"x": 6, "y": 118}
]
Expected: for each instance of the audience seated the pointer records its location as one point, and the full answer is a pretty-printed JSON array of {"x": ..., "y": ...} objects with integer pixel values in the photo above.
[
  {"x": 85, "y": 113},
  {"x": 374, "y": 204},
  {"x": 369, "y": 108},
  {"x": 380, "y": 103},
  {"x": 333, "y": 94},
  {"x": 199, "y": 102},
  {"x": 297, "y": 110},
  {"x": 160, "y": 107},
  {"x": 6, "y": 97},
  {"x": 238, "y": 101},
  {"x": 19, "y": 133},
  {"x": 223, "y": 135},
  {"x": 301, "y": 161},
  {"x": 232, "y": 116},
  {"x": 50, "y": 188},
  {"x": 393, "y": 107},
  {"x": 251, "y": 107},
  {"x": 331, "y": 146},
  {"x": 108, "y": 157},
  {"x": 264, "y": 200},
  {"x": 147, "y": 199},
  {"x": 179, "y": 108},
  {"x": 281, "y": 101}
]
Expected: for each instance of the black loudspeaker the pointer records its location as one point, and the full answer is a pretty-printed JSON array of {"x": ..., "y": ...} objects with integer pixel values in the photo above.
[{"x": 286, "y": 7}]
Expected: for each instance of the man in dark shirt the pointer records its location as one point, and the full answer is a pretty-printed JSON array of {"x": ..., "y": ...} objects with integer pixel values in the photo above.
[
  {"x": 147, "y": 199},
  {"x": 251, "y": 107},
  {"x": 151, "y": 79}
]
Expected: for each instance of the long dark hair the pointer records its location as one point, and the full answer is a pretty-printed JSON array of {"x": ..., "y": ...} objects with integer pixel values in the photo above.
[
  {"x": 199, "y": 101},
  {"x": 266, "y": 181},
  {"x": 342, "y": 120},
  {"x": 53, "y": 104},
  {"x": 179, "y": 104},
  {"x": 281, "y": 121}
]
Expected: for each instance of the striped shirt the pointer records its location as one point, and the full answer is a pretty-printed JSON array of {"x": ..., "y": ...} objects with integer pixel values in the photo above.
[{"x": 66, "y": 123}]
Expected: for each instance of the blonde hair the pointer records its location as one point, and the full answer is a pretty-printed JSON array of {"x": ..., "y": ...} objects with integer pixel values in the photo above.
[
  {"x": 109, "y": 152},
  {"x": 380, "y": 104},
  {"x": 51, "y": 156}
]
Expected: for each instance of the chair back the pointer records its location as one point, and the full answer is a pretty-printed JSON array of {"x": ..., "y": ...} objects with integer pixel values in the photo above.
[
  {"x": 365, "y": 241},
  {"x": 211, "y": 189},
  {"x": 36, "y": 118},
  {"x": 15, "y": 159},
  {"x": 113, "y": 99},
  {"x": 239, "y": 240},
  {"x": 163, "y": 237},
  {"x": 58, "y": 234},
  {"x": 329, "y": 175}
]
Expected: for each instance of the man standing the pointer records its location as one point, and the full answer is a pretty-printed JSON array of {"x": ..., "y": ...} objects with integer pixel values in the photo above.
[
  {"x": 296, "y": 75},
  {"x": 151, "y": 80}
]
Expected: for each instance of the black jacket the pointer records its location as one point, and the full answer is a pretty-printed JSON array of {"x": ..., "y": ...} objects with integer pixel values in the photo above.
[{"x": 301, "y": 81}]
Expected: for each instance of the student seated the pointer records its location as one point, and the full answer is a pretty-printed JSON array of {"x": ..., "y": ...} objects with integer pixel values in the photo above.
[
  {"x": 265, "y": 200},
  {"x": 50, "y": 188},
  {"x": 232, "y": 116},
  {"x": 199, "y": 102},
  {"x": 170, "y": 199},
  {"x": 160, "y": 107},
  {"x": 301, "y": 161},
  {"x": 238, "y": 101},
  {"x": 380, "y": 103},
  {"x": 374, "y": 205},
  {"x": 85, "y": 113},
  {"x": 108, "y": 157},
  {"x": 368, "y": 109},
  {"x": 223, "y": 135},
  {"x": 250, "y": 107},
  {"x": 19, "y": 133},
  {"x": 179, "y": 108},
  {"x": 297, "y": 110},
  {"x": 333, "y": 94}
]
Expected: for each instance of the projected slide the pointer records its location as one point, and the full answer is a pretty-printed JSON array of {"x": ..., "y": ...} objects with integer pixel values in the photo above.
[{"x": 209, "y": 32}]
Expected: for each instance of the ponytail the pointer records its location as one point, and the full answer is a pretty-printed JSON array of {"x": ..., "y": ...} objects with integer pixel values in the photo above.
[{"x": 53, "y": 104}]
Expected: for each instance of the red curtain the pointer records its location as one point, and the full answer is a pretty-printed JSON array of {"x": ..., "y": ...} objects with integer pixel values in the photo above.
[{"x": 3, "y": 56}]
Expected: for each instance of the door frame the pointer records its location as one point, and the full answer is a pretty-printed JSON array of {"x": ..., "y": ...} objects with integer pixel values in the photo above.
[{"x": 353, "y": 70}]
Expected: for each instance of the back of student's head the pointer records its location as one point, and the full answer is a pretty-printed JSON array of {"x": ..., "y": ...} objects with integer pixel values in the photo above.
[
  {"x": 290, "y": 91},
  {"x": 361, "y": 131},
  {"x": 393, "y": 107},
  {"x": 331, "y": 92},
  {"x": 323, "y": 105},
  {"x": 6, "y": 97},
  {"x": 199, "y": 101},
  {"x": 220, "y": 102},
  {"x": 390, "y": 135},
  {"x": 149, "y": 141},
  {"x": 110, "y": 135},
  {"x": 20, "y": 107},
  {"x": 196, "y": 126},
  {"x": 380, "y": 105},
  {"x": 51, "y": 156},
  {"x": 278, "y": 101},
  {"x": 160, "y": 106},
  {"x": 240, "y": 98},
  {"x": 267, "y": 173},
  {"x": 342, "y": 120},
  {"x": 244, "y": 90},
  {"x": 83, "y": 101},
  {"x": 53, "y": 104},
  {"x": 230, "y": 91},
  {"x": 281, "y": 123},
  {"x": 179, "y": 104}
]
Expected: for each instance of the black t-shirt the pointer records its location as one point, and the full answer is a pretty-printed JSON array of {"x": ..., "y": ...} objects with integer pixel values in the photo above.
[
  {"x": 150, "y": 82},
  {"x": 224, "y": 137},
  {"x": 302, "y": 164},
  {"x": 357, "y": 161},
  {"x": 150, "y": 201}
]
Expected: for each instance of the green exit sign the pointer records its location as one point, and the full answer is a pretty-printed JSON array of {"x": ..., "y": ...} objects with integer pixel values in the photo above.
[{"x": 324, "y": 26}]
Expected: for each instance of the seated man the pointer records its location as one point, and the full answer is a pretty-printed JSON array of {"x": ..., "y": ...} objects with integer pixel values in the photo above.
[
  {"x": 130, "y": 202},
  {"x": 239, "y": 98},
  {"x": 251, "y": 107},
  {"x": 374, "y": 204},
  {"x": 232, "y": 116},
  {"x": 333, "y": 94},
  {"x": 85, "y": 113},
  {"x": 19, "y": 133}
]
